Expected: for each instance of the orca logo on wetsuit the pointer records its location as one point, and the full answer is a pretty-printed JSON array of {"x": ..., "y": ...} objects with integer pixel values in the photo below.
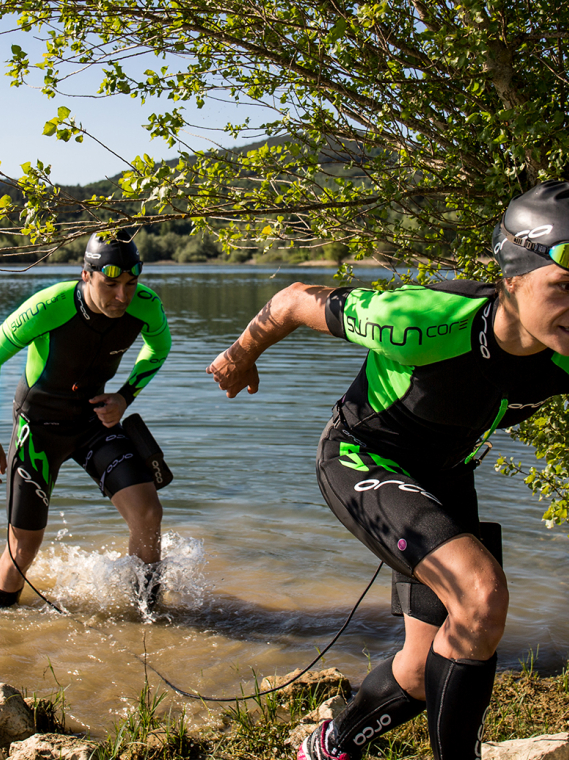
[
  {"x": 81, "y": 304},
  {"x": 526, "y": 406},
  {"x": 28, "y": 478},
  {"x": 480, "y": 734},
  {"x": 374, "y": 484},
  {"x": 482, "y": 336},
  {"x": 369, "y": 731},
  {"x": 113, "y": 464},
  {"x": 157, "y": 471}
]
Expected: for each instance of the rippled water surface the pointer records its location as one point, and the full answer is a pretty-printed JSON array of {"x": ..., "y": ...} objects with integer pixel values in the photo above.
[{"x": 259, "y": 574}]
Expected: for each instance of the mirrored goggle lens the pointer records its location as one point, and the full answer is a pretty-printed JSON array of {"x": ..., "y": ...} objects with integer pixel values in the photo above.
[
  {"x": 112, "y": 270},
  {"x": 560, "y": 254}
]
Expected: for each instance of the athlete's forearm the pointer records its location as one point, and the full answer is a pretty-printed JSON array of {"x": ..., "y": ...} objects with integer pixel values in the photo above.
[
  {"x": 150, "y": 359},
  {"x": 234, "y": 369}
]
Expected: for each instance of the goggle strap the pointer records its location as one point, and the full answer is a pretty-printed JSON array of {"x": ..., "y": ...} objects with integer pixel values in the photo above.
[{"x": 524, "y": 242}]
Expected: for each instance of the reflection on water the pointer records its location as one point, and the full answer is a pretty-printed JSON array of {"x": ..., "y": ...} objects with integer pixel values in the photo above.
[{"x": 258, "y": 573}]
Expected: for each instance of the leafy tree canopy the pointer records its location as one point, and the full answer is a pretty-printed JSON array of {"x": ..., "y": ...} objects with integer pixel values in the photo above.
[
  {"x": 404, "y": 125},
  {"x": 400, "y": 127}
]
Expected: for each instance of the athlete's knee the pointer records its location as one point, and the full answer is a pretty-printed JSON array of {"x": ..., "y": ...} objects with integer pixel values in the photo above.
[
  {"x": 151, "y": 512},
  {"x": 139, "y": 505},
  {"x": 483, "y": 608},
  {"x": 150, "y": 508}
]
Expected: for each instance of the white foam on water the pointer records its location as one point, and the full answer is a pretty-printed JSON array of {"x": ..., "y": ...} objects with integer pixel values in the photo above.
[{"x": 107, "y": 581}]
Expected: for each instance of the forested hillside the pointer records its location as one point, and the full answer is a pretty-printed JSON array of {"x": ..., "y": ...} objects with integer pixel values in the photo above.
[{"x": 178, "y": 240}]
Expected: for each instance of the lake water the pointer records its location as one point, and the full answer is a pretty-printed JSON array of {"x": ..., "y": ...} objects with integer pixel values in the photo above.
[{"x": 259, "y": 574}]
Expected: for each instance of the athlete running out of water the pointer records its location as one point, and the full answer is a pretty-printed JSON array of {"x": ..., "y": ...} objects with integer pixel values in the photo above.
[
  {"x": 76, "y": 334},
  {"x": 447, "y": 364}
]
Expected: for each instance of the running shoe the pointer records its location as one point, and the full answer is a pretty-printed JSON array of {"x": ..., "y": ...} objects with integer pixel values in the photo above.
[{"x": 314, "y": 746}]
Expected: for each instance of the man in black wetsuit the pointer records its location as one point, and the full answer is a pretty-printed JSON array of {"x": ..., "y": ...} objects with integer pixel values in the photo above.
[
  {"x": 447, "y": 365},
  {"x": 76, "y": 334}
]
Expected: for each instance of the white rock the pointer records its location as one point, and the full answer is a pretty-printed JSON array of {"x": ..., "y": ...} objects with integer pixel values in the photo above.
[
  {"x": 56, "y": 746},
  {"x": 16, "y": 718},
  {"x": 546, "y": 747},
  {"x": 328, "y": 710}
]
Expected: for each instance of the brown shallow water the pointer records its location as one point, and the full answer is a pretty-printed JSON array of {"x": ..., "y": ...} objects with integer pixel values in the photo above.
[{"x": 259, "y": 575}]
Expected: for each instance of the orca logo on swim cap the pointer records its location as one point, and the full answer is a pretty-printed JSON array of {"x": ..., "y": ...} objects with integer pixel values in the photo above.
[
  {"x": 89, "y": 255},
  {"x": 544, "y": 229}
]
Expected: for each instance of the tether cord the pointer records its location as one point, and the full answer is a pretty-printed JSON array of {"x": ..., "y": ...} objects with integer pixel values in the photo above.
[
  {"x": 143, "y": 660},
  {"x": 292, "y": 680},
  {"x": 197, "y": 695}
]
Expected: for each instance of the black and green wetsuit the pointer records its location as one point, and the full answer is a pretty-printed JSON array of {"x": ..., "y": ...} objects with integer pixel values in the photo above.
[
  {"x": 435, "y": 378},
  {"x": 395, "y": 466},
  {"x": 392, "y": 466},
  {"x": 72, "y": 353}
]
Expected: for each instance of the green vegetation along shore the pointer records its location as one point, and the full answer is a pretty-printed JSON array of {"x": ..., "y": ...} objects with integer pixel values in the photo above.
[{"x": 524, "y": 704}]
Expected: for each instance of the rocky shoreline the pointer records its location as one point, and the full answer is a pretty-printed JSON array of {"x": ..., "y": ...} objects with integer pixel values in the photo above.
[{"x": 527, "y": 720}]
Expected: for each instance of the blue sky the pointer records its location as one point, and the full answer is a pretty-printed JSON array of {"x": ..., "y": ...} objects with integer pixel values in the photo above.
[{"x": 115, "y": 121}]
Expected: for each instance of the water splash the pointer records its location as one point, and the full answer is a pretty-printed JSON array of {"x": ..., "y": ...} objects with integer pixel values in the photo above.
[{"x": 107, "y": 582}]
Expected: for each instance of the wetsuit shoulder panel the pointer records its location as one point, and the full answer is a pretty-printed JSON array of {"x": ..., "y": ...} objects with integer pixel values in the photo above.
[
  {"x": 147, "y": 307},
  {"x": 414, "y": 325},
  {"x": 44, "y": 311}
]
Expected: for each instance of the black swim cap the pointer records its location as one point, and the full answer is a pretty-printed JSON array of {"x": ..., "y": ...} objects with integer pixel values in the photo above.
[
  {"x": 538, "y": 219},
  {"x": 120, "y": 251}
]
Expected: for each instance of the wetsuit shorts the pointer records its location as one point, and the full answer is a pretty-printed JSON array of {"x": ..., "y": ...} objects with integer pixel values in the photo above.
[
  {"x": 38, "y": 450},
  {"x": 401, "y": 516}
]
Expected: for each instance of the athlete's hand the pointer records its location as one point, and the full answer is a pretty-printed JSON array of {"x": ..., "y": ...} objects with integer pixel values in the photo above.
[
  {"x": 3, "y": 464},
  {"x": 232, "y": 376},
  {"x": 111, "y": 409}
]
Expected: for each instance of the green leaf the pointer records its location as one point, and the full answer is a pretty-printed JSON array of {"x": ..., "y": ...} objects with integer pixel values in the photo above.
[
  {"x": 50, "y": 127},
  {"x": 63, "y": 113}
]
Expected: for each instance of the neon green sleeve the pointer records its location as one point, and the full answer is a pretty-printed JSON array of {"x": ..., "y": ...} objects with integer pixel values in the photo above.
[
  {"x": 155, "y": 333},
  {"x": 44, "y": 311}
]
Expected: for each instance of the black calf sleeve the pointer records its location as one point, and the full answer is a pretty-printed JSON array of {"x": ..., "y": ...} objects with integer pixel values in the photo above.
[
  {"x": 380, "y": 705},
  {"x": 458, "y": 695}
]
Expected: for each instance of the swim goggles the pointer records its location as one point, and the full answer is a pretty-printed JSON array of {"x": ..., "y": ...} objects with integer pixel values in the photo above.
[
  {"x": 558, "y": 253},
  {"x": 114, "y": 271}
]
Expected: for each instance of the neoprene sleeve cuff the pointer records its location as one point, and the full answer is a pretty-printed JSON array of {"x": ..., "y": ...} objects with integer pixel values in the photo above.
[
  {"x": 335, "y": 311},
  {"x": 127, "y": 394}
]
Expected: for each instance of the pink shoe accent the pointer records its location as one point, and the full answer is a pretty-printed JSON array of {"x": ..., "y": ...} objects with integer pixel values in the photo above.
[
  {"x": 301, "y": 754},
  {"x": 319, "y": 751}
]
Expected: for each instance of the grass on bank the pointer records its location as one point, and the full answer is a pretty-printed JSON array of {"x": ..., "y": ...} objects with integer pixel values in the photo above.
[{"x": 524, "y": 704}]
